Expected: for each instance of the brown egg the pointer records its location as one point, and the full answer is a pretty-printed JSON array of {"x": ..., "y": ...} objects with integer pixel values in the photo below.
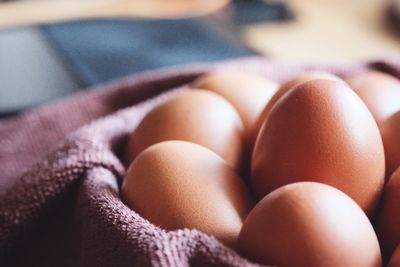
[
  {"x": 321, "y": 131},
  {"x": 178, "y": 184},
  {"x": 395, "y": 259},
  {"x": 309, "y": 224},
  {"x": 388, "y": 217},
  {"x": 247, "y": 92},
  {"x": 390, "y": 131},
  {"x": 197, "y": 116},
  {"x": 379, "y": 91},
  {"x": 304, "y": 77}
]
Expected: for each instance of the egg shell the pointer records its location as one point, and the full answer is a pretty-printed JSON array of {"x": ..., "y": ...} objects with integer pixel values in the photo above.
[
  {"x": 379, "y": 91},
  {"x": 321, "y": 131},
  {"x": 197, "y": 116},
  {"x": 395, "y": 259},
  {"x": 388, "y": 217},
  {"x": 390, "y": 131},
  {"x": 285, "y": 87},
  {"x": 178, "y": 184},
  {"x": 309, "y": 224},
  {"x": 247, "y": 92}
]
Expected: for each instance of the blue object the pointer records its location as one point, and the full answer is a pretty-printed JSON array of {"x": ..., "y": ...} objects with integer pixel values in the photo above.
[
  {"x": 31, "y": 72},
  {"x": 256, "y": 11},
  {"x": 102, "y": 50}
]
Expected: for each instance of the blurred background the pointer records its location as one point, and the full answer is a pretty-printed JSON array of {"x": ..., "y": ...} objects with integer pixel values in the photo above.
[{"x": 52, "y": 48}]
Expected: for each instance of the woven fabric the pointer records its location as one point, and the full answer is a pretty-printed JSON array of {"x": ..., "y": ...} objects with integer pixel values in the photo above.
[{"x": 61, "y": 169}]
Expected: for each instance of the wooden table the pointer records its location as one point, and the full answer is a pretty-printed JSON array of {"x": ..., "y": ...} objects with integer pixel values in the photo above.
[
  {"x": 44, "y": 11},
  {"x": 326, "y": 31}
]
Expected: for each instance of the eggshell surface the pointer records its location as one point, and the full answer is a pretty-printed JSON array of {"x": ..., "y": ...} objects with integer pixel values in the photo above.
[
  {"x": 309, "y": 224},
  {"x": 395, "y": 259},
  {"x": 285, "y": 87},
  {"x": 379, "y": 91},
  {"x": 247, "y": 92},
  {"x": 178, "y": 184},
  {"x": 388, "y": 217},
  {"x": 390, "y": 131},
  {"x": 197, "y": 116},
  {"x": 321, "y": 131}
]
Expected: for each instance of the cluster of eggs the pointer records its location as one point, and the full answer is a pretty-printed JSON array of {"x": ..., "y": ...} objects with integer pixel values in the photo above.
[{"x": 301, "y": 174}]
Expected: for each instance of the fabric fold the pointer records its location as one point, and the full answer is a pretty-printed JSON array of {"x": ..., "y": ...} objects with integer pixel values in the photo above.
[{"x": 63, "y": 207}]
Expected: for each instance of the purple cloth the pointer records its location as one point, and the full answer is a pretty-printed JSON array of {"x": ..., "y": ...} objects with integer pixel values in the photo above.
[{"x": 59, "y": 198}]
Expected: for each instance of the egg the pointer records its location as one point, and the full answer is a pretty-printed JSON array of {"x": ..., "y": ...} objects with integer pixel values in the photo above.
[
  {"x": 321, "y": 131},
  {"x": 309, "y": 224},
  {"x": 388, "y": 217},
  {"x": 247, "y": 92},
  {"x": 395, "y": 259},
  {"x": 379, "y": 91},
  {"x": 390, "y": 131},
  {"x": 178, "y": 184},
  {"x": 306, "y": 76},
  {"x": 197, "y": 116}
]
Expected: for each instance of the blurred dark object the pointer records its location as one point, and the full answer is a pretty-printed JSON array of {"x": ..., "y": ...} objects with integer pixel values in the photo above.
[
  {"x": 41, "y": 64},
  {"x": 393, "y": 15},
  {"x": 102, "y": 50},
  {"x": 254, "y": 11}
]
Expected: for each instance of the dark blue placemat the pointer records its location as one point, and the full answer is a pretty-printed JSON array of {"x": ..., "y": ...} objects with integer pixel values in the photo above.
[
  {"x": 102, "y": 50},
  {"x": 255, "y": 11}
]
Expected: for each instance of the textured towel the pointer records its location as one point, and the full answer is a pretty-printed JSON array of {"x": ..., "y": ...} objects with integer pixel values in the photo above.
[{"x": 59, "y": 199}]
